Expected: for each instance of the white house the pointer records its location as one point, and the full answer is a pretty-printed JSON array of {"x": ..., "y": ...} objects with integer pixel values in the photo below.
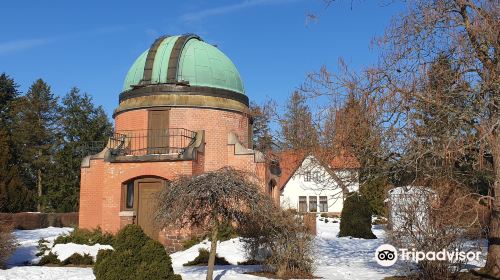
[{"x": 310, "y": 186}]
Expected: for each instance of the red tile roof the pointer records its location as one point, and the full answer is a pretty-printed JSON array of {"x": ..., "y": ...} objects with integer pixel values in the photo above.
[{"x": 291, "y": 160}]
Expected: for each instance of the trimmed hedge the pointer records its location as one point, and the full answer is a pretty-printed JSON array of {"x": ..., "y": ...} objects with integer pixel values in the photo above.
[
  {"x": 50, "y": 258},
  {"x": 86, "y": 237},
  {"x": 77, "y": 259},
  {"x": 356, "y": 219},
  {"x": 136, "y": 256},
  {"x": 202, "y": 259}
]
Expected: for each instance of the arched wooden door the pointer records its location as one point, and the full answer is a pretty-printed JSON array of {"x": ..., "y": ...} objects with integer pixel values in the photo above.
[{"x": 147, "y": 199}]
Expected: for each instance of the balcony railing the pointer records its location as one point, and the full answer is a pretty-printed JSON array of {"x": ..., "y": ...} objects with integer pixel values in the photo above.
[{"x": 150, "y": 142}]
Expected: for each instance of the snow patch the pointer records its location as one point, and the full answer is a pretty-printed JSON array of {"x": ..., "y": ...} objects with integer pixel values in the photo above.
[
  {"x": 46, "y": 273},
  {"x": 64, "y": 251},
  {"x": 232, "y": 250},
  {"x": 27, "y": 241}
]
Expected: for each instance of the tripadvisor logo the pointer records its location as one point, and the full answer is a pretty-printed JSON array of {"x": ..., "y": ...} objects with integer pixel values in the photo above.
[{"x": 387, "y": 255}]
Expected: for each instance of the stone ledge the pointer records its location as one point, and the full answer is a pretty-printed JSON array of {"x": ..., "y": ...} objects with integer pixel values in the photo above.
[{"x": 127, "y": 214}]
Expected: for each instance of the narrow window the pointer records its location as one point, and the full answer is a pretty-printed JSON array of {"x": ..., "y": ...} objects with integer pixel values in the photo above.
[
  {"x": 313, "y": 203},
  {"x": 129, "y": 202},
  {"x": 323, "y": 204},
  {"x": 302, "y": 204},
  {"x": 315, "y": 176},
  {"x": 307, "y": 176}
]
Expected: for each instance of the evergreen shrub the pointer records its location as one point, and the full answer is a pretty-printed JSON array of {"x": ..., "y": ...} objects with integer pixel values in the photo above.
[
  {"x": 202, "y": 259},
  {"x": 356, "y": 218},
  {"x": 135, "y": 257}
]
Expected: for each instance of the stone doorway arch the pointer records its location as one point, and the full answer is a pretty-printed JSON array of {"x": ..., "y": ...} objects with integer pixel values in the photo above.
[{"x": 140, "y": 195}]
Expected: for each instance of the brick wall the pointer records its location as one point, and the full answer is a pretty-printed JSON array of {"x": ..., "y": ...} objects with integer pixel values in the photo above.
[
  {"x": 91, "y": 186},
  {"x": 101, "y": 183},
  {"x": 216, "y": 123}
]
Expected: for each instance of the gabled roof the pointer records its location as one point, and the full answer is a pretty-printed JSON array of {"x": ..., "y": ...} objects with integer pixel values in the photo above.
[
  {"x": 291, "y": 160},
  {"x": 345, "y": 160}
]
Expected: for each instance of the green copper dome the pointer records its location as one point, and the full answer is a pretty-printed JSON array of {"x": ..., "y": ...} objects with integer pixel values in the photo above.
[{"x": 196, "y": 64}]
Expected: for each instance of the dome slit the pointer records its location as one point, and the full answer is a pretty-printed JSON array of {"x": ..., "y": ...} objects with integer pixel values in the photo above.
[{"x": 148, "y": 66}]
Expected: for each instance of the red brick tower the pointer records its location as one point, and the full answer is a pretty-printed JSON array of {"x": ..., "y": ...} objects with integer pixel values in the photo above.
[{"x": 182, "y": 111}]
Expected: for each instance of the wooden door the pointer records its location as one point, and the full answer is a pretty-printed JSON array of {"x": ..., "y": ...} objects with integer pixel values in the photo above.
[
  {"x": 147, "y": 204},
  {"x": 158, "y": 141}
]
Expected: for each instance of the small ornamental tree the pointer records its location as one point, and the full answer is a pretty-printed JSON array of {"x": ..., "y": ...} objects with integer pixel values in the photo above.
[
  {"x": 356, "y": 218},
  {"x": 209, "y": 200}
]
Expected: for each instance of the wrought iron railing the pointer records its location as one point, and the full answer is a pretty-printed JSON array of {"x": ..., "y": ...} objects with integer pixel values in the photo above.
[
  {"x": 90, "y": 148},
  {"x": 150, "y": 141}
]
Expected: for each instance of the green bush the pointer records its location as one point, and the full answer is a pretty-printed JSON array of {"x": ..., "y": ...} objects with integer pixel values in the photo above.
[
  {"x": 250, "y": 262},
  {"x": 86, "y": 237},
  {"x": 77, "y": 259},
  {"x": 130, "y": 237},
  {"x": 155, "y": 261},
  {"x": 374, "y": 191},
  {"x": 42, "y": 247},
  {"x": 50, "y": 258},
  {"x": 226, "y": 232},
  {"x": 324, "y": 215},
  {"x": 356, "y": 219},
  {"x": 120, "y": 265},
  {"x": 101, "y": 255},
  {"x": 136, "y": 257},
  {"x": 202, "y": 259},
  {"x": 191, "y": 242}
]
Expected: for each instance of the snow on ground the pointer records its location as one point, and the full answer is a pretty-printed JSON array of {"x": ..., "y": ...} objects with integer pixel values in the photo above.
[
  {"x": 64, "y": 251},
  {"x": 348, "y": 258},
  {"x": 46, "y": 273},
  {"x": 231, "y": 250},
  {"x": 25, "y": 254},
  {"x": 336, "y": 258},
  {"x": 27, "y": 241}
]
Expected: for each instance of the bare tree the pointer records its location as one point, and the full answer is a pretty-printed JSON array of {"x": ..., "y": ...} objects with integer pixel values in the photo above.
[
  {"x": 467, "y": 31},
  {"x": 280, "y": 238},
  {"x": 209, "y": 200}
]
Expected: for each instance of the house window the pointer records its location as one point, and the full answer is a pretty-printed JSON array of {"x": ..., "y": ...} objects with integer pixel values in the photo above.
[
  {"x": 311, "y": 176},
  {"x": 313, "y": 203},
  {"x": 302, "y": 204},
  {"x": 323, "y": 204},
  {"x": 129, "y": 195},
  {"x": 307, "y": 176}
]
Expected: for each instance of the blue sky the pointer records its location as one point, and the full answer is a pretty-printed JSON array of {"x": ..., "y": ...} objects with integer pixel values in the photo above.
[{"x": 91, "y": 44}]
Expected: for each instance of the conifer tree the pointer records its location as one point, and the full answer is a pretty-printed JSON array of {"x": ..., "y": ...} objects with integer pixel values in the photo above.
[
  {"x": 8, "y": 93},
  {"x": 297, "y": 128},
  {"x": 261, "y": 133},
  {"x": 14, "y": 196},
  {"x": 35, "y": 135},
  {"x": 81, "y": 123}
]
